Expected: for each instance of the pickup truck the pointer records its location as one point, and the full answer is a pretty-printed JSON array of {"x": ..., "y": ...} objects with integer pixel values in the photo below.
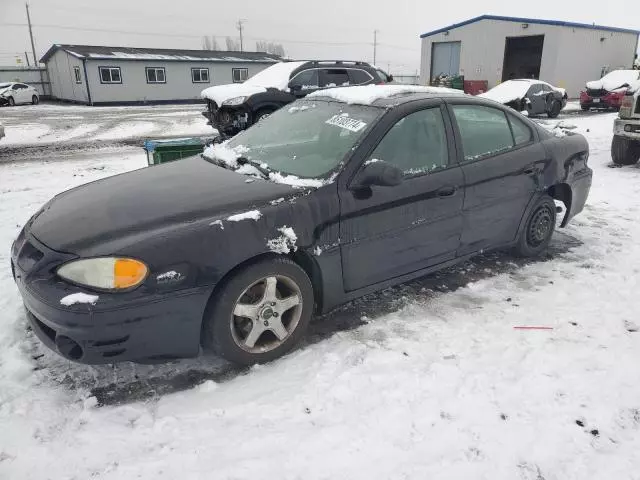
[{"x": 625, "y": 147}]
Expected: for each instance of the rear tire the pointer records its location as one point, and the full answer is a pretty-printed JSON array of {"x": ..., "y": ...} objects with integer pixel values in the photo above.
[
  {"x": 625, "y": 151},
  {"x": 12, "y": 102},
  {"x": 278, "y": 325},
  {"x": 554, "y": 111},
  {"x": 35, "y": 100},
  {"x": 538, "y": 229}
]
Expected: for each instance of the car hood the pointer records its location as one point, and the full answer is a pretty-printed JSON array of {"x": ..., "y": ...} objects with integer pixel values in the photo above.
[
  {"x": 2, "y": 90},
  {"x": 221, "y": 93},
  {"x": 148, "y": 199}
]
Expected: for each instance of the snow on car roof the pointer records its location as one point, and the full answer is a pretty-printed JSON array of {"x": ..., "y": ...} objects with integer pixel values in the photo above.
[
  {"x": 511, "y": 90},
  {"x": 614, "y": 80},
  {"x": 275, "y": 76},
  {"x": 367, "y": 94}
]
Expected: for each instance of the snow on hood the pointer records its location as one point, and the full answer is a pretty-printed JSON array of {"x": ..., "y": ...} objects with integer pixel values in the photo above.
[
  {"x": 614, "y": 80},
  {"x": 275, "y": 76},
  {"x": 511, "y": 90},
  {"x": 366, "y": 95}
]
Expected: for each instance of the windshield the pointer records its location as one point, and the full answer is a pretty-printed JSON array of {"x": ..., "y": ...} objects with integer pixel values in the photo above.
[{"x": 307, "y": 139}]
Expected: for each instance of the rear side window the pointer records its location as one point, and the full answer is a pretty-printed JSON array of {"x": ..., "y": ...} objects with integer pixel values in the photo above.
[
  {"x": 484, "y": 131},
  {"x": 359, "y": 77},
  {"x": 334, "y": 77},
  {"x": 382, "y": 76},
  {"x": 521, "y": 132},
  {"x": 417, "y": 144}
]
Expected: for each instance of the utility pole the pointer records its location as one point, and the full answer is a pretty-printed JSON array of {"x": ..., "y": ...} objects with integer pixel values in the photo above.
[
  {"x": 33, "y": 45},
  {"x": 375, "y": 45},
  {"x": 26, "y": 56},
  {"x": 239, "y": 26}
]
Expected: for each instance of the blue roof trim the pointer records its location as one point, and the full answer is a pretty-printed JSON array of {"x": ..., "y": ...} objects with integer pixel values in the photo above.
[{"x": 558, "y": 23}]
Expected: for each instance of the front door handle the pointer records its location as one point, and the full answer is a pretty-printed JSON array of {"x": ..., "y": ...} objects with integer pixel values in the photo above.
[{"x": 447, "y": 191}]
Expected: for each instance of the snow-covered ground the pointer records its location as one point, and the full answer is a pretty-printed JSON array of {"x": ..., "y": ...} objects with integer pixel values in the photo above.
[
  {"x": 434, "y": 384},
  {"x": 47, "y": 123}
]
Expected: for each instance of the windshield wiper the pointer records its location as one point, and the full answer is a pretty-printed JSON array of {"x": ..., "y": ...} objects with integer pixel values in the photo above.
[{"x": 265, "y": 171}]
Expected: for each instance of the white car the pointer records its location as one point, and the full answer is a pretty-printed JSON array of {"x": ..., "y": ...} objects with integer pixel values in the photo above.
[{"x": 14, "y": 93}]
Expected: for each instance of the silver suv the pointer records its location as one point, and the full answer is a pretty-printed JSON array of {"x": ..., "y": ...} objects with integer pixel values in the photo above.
[{"x": 625, "y": 148}]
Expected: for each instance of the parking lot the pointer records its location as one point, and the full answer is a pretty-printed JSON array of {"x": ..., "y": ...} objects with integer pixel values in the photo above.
[{"x": 433, "y": 376}]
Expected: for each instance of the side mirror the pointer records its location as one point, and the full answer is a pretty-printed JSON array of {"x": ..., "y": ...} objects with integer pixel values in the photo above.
[
  {"x": 389, "y": 78},
  {"x": 378, "y": 173}
]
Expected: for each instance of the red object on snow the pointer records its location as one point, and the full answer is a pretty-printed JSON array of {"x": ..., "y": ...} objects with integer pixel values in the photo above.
[
  {"x": 475, "y": 87},
  {"x": 608, "y": 100}
]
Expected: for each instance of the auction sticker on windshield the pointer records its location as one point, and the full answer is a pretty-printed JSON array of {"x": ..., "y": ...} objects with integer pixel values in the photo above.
[{"x": 345, "y": 122}]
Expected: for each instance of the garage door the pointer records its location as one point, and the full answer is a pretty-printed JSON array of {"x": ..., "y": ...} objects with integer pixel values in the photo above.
[{"x": 445, "y": 58}]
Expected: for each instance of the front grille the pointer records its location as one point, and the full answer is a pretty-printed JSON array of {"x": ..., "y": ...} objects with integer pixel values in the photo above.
[
  {"x": 28, "y": 256},
  {"x": 596, "y": 93}
]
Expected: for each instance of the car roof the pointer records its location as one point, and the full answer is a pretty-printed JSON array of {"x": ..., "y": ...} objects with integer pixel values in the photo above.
[{"x": 384, "y": 96}]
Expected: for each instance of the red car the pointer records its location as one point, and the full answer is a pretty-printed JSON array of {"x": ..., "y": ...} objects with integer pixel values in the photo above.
[{"x": 608, "y": 92}]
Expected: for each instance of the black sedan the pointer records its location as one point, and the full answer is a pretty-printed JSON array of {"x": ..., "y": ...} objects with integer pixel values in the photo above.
[
  {"x": 532, "y": 96},
  {"x": 336, "y": 196}
]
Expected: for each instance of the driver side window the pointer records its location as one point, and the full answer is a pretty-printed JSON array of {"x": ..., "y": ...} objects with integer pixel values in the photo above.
[
  {"x": 417, "y": 144},
  {"x": 306, "y": 80}
]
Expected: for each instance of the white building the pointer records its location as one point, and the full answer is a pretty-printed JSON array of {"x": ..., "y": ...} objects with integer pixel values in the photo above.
[
  {"x": 496, "y": 48},
  {"x": 121, "y": 75}
]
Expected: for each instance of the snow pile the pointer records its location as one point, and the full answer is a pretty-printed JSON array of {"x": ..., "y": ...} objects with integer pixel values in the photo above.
[
  {"x": 301, "y": 108},
  {"x": 225, "y": 154},
  {"x": 367, "y": 94},
  {"x": 615, "y": 80},
  {"x": 295, "y": 181},
  {"x": 79, "y": 298},
  {"x": 250, "y": 215},
  {"x": 171, "y": 275},
  {"x": 285, "y": 243}
]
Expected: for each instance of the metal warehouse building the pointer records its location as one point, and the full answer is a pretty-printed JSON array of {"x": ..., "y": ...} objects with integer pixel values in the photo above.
[
  {"x": 106, "y": 75},
  {"x": 496, "y": 49}
]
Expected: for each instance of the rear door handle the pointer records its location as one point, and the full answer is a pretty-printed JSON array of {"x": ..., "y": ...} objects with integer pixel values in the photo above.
[{"x": 446, "y": 191}]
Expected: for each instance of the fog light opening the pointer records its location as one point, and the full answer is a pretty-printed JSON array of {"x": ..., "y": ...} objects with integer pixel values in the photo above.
[
  {"x": 627, "y": 128},
  {"x": 68, "y": 348}
]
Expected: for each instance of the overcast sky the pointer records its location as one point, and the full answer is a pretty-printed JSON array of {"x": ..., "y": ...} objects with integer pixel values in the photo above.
[{"x": 325, "y": 29}]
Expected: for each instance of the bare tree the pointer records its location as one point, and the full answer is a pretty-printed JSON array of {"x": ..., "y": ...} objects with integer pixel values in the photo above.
[
  {"x": 210, "y": 43},
  {"x": 270, "y": 47},
  {"x": 232, "y": 44}
]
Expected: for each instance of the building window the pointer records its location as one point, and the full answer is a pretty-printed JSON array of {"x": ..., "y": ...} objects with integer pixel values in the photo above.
[
  {"x": 239, "y": 74},
  {"x": 200, "y": 75},
  {"x": 76, "y": 74},
  {"x": 110, "y": 75},
  {"x": 155, "y": 75}
]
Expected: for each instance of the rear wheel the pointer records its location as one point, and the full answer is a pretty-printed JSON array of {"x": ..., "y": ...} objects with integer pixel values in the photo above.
[
  {"x": 554, "y": 110},
  {"x": 538, "y": 229},
  {"x": 625, "y": 151},
  {"x": 260, "y": 313},
  {"x": 35, "y": 100},
  {"x": 12, "y": 102}
]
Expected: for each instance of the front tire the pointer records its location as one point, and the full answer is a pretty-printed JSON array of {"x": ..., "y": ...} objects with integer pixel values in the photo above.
[
  {"x": 538, "y": 229},
  {"x": 625, "y": 151},
  {"x": 260, "y": 313},
  {"x": 12, "y": 102},
  {"x": 35, "y": 100}
]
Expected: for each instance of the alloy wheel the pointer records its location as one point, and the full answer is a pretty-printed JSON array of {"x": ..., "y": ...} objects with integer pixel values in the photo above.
[{"x": 266, "y": 314}]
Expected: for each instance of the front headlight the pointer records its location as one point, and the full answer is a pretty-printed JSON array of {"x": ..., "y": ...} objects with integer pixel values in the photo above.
[
  {"x": 105, "y": 273},
  {"x": 234, "y": 101}
]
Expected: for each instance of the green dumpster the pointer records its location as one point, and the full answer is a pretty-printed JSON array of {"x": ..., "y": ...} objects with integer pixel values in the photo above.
[{"x": 162, "y": 151}]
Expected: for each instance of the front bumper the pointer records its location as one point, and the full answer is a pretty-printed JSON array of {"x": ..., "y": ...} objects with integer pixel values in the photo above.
[
  {"x": 226, "y": 120},
  {"x": 4, "y": 101},
  {"x": 627, "y": 128},
  {"x": 119, "y": 327}
]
